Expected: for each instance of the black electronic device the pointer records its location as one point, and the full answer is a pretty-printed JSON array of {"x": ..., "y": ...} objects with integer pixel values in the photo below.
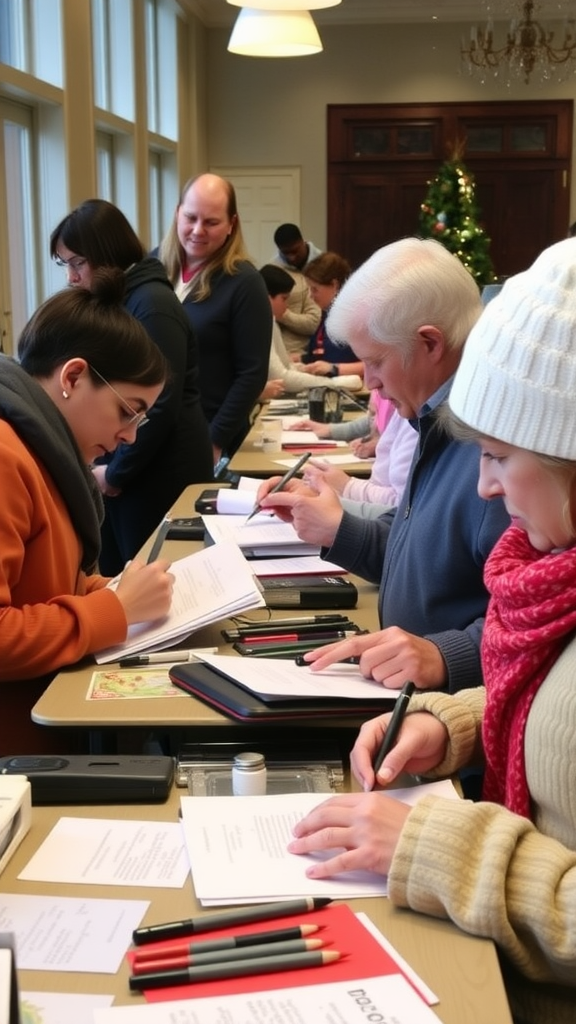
[
  {"x": 229, "y": 697},
  {"x": 206, "y": 502},
  {"x": 186, "y": 529},
  {"x": 87, "y": 779},
  {"x": 308, "y": 592}
]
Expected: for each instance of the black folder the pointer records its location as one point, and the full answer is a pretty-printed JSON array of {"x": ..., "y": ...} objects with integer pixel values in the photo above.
[{"x": 231, "y": 699}]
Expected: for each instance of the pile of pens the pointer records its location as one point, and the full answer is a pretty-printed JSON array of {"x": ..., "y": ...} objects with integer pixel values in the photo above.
[
  {"x": 229, "y": 956},
  {"x": 288, "y": 638}
]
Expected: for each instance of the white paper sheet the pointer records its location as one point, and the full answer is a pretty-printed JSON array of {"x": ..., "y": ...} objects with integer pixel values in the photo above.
[
  {"x": 334, "y": 460},
  {"x": 211, "y": 584},
  {"x": 262, "y": 533},
  {"x": 297, "y": 565},
  {"x": 61, "y": 933},
  {"x": 60, "y": 1007},
  {"x": 279, "y": 677},
  {"x": 109, "y": 851},
  {"x": 237, "y": 848},
  {"x": 390, "y": 1000}
]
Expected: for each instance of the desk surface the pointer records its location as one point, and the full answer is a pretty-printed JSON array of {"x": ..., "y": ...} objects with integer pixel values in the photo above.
[
  {"x": 462, "y": 971},
  {"x": 250, "y": 460},
  {"x": 64, "y": 704}
]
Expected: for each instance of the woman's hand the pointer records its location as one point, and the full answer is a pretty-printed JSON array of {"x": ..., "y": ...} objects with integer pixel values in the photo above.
[
  {"x": 273, "y": 389},
  {"x": 316, "y": 470},
  {"x": 320, "y": 429},
  {"x": 99, "y": 474},
  {"x": 420, "y": 746},
  {"x": 145, "y": 591},
  {"x": 360, "y": 829}
]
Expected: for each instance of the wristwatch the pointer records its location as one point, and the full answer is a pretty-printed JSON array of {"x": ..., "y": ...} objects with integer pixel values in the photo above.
[{"x": 334, "y": 372}]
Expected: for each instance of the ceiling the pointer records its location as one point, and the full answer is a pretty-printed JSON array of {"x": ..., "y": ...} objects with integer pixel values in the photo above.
[{"x": 220, "y": 14}]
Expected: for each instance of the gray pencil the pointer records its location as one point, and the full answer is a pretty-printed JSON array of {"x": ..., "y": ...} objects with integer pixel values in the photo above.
[
  {"x": 224, "y": 956},
  {"x": 158, "y": 541},
  {"x": 213, "y": 972}
]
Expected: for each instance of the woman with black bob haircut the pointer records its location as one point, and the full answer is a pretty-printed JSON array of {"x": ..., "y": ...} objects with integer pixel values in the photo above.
[
  {"x": 140, "y": 482},
  {"x": 88, "y": 377}
]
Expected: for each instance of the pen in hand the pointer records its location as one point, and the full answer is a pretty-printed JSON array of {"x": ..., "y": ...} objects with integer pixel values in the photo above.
[
  {"x": 282, "y": 483},
  {"x": 394, "y": 724}
]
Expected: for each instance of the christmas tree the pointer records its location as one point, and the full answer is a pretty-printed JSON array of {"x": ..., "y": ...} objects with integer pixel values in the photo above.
[{"x": 450, "y": 214}]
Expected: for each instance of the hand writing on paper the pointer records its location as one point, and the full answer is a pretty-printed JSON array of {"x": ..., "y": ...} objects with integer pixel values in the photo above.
[
  {"x": 420, "y": 746},
  {"x": 145, "y": 591},
  {"x": 316, "y": 519},
  {"x": 390, "y": 656}
]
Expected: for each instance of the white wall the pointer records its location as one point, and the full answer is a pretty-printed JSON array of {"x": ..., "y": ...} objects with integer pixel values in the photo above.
[{"x": 273, "y": 112}]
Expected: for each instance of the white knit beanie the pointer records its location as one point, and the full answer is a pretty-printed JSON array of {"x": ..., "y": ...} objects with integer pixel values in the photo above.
[{"x": 517, "y": 378}]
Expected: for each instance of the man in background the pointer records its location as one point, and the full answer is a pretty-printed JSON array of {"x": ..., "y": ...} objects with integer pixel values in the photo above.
[
  {"x": 407, "y": 312},
  {"x": 302, "y": 315}
]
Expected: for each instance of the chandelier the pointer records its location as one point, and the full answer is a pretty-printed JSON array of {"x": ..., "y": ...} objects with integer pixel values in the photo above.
[{"x": 529, "y": 48}]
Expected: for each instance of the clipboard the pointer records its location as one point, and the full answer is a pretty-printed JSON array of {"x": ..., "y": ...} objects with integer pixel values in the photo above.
[{"x": 231, "y": 699}]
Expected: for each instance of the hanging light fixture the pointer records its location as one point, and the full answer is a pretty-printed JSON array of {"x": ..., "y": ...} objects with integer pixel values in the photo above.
[
  {"x": 267, "y": 33},
  {"x": 528, "y": 48},
  {"x": 285, "y": 5}
]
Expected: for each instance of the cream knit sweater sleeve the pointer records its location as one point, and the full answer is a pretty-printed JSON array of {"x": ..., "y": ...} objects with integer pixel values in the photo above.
[{"x": 488, "y": 870}]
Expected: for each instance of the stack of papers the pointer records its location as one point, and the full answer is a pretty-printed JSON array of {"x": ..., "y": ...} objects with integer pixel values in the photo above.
[
  {"x": 270, "y": 678},
  {"x": 308, "y": 439},
  {"x": 265, "y": 536},
  {"x": 237, "y": 848},
  {"x": 210, "y": 585}
]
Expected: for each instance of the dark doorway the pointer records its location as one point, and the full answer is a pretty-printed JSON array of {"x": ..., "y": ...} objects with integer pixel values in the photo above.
[{"x": 382, "y": 156}]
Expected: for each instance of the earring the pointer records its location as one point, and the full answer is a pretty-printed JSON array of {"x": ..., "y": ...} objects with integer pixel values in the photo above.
[{"x": 65, "y": 394}]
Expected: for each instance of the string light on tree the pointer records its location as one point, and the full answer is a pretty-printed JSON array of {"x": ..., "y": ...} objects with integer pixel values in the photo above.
[{"x": 450, "y": 214}]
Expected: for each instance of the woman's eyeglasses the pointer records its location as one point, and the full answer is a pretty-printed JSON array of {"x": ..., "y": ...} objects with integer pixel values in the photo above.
[
  {"x": 133, "y": 418},
  {"x": 72, "y": 264}
]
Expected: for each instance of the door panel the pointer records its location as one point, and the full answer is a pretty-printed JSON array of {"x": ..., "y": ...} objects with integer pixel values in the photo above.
[{"x": 382, "y": 156}]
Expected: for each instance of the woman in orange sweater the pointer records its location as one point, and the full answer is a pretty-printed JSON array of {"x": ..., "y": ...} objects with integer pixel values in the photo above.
[{"x": 87, "y": 375}]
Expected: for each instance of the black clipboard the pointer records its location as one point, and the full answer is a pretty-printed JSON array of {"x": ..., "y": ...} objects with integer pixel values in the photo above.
[{"x": 230, "y": 698}]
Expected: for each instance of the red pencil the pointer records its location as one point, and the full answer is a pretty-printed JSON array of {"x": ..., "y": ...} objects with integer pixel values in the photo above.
[{"x": 225, "y": 942}]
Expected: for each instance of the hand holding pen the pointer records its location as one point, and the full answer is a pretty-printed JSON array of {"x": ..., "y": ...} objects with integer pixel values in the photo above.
[{"x": 280, "y": 485}]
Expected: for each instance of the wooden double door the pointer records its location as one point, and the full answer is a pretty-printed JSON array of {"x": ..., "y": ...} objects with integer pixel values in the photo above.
[{"x": 382, "y": 156}]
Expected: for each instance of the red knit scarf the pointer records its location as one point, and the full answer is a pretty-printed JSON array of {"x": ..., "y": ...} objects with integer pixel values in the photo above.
[{"x": 530, "y": 617}]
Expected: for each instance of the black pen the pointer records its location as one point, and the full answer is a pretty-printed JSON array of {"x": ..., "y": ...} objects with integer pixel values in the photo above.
[
  {"x": 353, "y": 660},
  {"x": 310, "y": 629},
  {"x": 400, "y": 709},
  {"x": 282, "y": 483},
  {"x": 159, "y": 540},
  {"x": 240, "y": 915}
]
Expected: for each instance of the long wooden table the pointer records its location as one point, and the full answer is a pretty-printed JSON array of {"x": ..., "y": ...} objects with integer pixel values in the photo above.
[
  {"x": 109, "y": 724},
  {"x": 250, "y": 460},
  {"x": 461, "y": 970}
]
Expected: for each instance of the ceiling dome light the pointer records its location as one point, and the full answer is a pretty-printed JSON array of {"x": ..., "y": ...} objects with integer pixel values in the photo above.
[{"x": 263, "y": 33}]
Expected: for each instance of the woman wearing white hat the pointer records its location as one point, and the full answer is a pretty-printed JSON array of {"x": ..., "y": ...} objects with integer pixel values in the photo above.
[{"x": 505, "y": 867}]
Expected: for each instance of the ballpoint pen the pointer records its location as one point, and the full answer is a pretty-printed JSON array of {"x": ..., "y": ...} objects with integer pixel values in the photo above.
[
  {"x": 389, "y": 739},
  {"x": 282, "y": 483},
  {"x": 304, "y": 635},
  {"x": 239, "y": 915},
  {"x": 336, "y": 621},
  {"x": 164, "y": 657},
  {"x": 158, "y": 540},
  {"x": 353, "y": 660}
]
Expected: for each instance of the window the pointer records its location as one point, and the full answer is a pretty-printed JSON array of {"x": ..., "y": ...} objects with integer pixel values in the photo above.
[
  {"x": 30, "y": 37},
  {"x": 112, "y": 53}
]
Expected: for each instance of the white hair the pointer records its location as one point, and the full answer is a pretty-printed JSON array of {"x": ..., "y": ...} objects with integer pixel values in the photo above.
[{"x": 402, "y": 287}]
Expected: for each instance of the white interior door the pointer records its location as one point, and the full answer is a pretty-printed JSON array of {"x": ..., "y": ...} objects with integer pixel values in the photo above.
[{"x": 267, "y": 197}]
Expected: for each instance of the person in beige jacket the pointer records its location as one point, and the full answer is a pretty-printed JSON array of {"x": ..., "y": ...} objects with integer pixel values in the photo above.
[{"x": 503, "y": 868}]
